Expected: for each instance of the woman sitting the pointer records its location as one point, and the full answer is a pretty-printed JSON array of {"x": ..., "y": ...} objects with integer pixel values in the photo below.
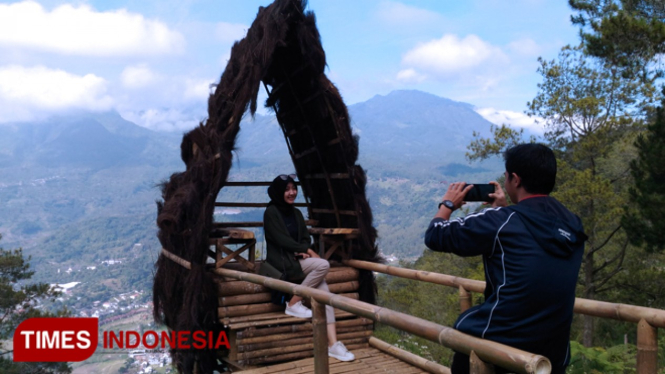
[{"x": 289, "y": 250}]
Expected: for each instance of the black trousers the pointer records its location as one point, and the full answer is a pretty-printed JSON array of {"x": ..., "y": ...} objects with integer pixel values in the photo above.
[{"x": 461, "y": 366}]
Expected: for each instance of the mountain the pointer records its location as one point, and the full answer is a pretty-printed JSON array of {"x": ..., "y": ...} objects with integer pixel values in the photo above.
[
  {"x": 401, "y": 128},
  {"x": 80, "y": 189},
  {"x": 412, "y": 125},
  {"x": 93, "y": 141}
]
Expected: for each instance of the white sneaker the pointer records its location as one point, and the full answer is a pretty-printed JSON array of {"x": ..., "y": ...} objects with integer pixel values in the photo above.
[
  {"x": 298, "y": 310},
  {"x": 339, "y": 351}
]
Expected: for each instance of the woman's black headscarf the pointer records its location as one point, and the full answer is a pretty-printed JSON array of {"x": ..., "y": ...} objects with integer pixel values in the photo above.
[{"x": 276, "y": 193}]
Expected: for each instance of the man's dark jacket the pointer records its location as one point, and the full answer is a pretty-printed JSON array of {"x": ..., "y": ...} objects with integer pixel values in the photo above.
[{"x": 532, "y": 253}]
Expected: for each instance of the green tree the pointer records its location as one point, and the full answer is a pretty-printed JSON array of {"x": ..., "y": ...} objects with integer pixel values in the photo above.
[
  {"x": 589, "y": 110},
  {"x": 628, "y": 34},
  {"x": 644, "y": 219},
  {"x": 19, "y": 302}
]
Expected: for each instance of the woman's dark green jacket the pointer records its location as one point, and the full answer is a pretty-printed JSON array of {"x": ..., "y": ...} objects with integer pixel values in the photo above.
[{"x": 277, "y": 236}]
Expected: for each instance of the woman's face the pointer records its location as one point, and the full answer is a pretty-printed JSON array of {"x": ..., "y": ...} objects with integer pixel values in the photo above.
[{"x": 290, "y": 193}]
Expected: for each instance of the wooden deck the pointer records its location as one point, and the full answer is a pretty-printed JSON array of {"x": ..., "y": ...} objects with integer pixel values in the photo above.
[{"x": 368, "y": 361}]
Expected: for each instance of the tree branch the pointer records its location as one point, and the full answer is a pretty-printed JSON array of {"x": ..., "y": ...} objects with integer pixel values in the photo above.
[{"x": 594, "y": 250}]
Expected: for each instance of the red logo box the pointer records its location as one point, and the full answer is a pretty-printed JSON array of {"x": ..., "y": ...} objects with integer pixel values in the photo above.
[{"x": 55, "y": 339}]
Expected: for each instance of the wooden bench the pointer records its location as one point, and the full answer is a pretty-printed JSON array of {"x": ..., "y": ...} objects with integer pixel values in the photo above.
[{"x": 261, "y": 333}]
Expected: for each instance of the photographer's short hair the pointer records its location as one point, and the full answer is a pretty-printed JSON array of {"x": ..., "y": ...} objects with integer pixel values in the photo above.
[{"x": 535, "y": 164}]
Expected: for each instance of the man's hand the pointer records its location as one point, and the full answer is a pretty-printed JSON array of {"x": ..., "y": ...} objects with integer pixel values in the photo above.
[
  {"x": 499, "y": 196},
  {"x": 312, "y": 254},
  {"x": 456, "y": 193}
]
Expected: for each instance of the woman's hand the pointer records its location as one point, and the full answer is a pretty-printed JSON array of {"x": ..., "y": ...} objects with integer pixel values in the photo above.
[{"x": 312, "y": 254}]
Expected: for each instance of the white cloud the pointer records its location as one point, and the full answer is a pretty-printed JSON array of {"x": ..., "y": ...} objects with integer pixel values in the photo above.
[
  {"x": 410, "y": 76},
  {"x": 525, "y": 47},
  {"x": 515, "y": 119},
  {"x": 450, "y": 55},
  {"x": 138, "y": 76},
  {"x": 162, "y": 119},
  {"x": 82, "y": 30},
  {"x": 27, "y": 93},
  {"x": 197, "y": 89},
  {"x": 397, "y": 13},
  {"x": 230, "y": 32}
]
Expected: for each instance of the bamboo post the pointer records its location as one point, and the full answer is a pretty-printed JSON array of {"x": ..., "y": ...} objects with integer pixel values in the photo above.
[
  {"x": 320, "y": 337},
  {"x": 464, "y": 299},
  {"x": 647, "y": 348},
  {"x": 477, "y": 366}
]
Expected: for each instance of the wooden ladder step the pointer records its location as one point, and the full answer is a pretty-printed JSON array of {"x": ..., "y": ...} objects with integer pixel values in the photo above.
[
  {"x": 331, "y": 211},
  {"x": 331, "y": 176},
  {"x": 250, "y": 205},
  {"x": 314, "y": 149}
]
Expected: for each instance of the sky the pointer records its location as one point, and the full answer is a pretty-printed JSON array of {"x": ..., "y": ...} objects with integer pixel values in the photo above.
[{"x": 153, "y": 61}]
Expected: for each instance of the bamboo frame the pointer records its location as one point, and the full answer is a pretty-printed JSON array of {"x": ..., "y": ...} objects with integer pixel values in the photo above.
[
  {"x": 320, "y": 337},
  {"x": 647, "y": 319},
  {"x": 464, "y": 299},
  {"x": 408, "y": 357},
  {"x": 342, "y": 277},
  {"x": 621, "y": 312},
  {"x": 307, "y": 327},
  {"x": 425, "y": 276},
  {"x": 647, "y": 348},
  {"x": 499, "y": 354},
  {"x": 264, "y": 297},
  {"x": 477, "y": 366}
]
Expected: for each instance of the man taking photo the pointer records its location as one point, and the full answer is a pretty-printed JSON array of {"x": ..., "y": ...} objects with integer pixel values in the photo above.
[{"x": 532, "y": 252}]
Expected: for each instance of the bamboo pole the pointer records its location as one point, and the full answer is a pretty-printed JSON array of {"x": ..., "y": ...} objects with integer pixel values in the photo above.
[
  {"x": 343, "y": 287},
  {"x": 239, "y": 288},
  {"x": 276, "y": 358},
  {"x": 408, "y": 357},
  {"x": 464, "y": 299},
  {"x": 489, "y": 351},
  {"x": 647, "y": 348},
  {"x": 342, "y": 279},
  {"x": 243, "y": 310},
  {"x": 426, "y": 276},
  {"x": 245, "y": 299},
  {"x": 320, "y": 337},
  {"x": 276, "y": 337},
  {"x": 291, "y": 347},
  {"x": 477, "y": 366},
  {"x": 269, "y": 331},
  {"x": 307, "y": 339},
  {"x": 621, "y": 312},
  {"x": 346, "y": 275}
]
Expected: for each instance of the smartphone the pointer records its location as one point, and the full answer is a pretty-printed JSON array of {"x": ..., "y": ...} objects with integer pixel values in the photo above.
[
  {"x": 299, "y": 256},
  {"x": 479, "y": 192}
]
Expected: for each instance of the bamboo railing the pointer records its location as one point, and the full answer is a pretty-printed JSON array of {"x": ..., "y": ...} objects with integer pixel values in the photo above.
[
  {"x": 483, "y": 353},
  {"x": 648, "y": 319}
]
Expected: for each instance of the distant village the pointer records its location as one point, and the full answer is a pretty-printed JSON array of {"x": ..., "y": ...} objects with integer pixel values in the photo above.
[{"x": 119, "y": 307}]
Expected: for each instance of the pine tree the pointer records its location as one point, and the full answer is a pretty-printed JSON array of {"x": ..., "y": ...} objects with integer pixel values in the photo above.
[
  {"x": 644, "y": 219},
  {"x": 19, "y": 302},
  {"x": 629, "y": 34}
]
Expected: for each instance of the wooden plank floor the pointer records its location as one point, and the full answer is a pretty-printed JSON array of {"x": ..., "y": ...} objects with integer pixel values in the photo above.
[{"x": 368, "y": 361}]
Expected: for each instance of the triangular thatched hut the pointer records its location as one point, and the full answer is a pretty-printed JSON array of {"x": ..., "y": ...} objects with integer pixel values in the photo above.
[{"x": 281, "y": 52}]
